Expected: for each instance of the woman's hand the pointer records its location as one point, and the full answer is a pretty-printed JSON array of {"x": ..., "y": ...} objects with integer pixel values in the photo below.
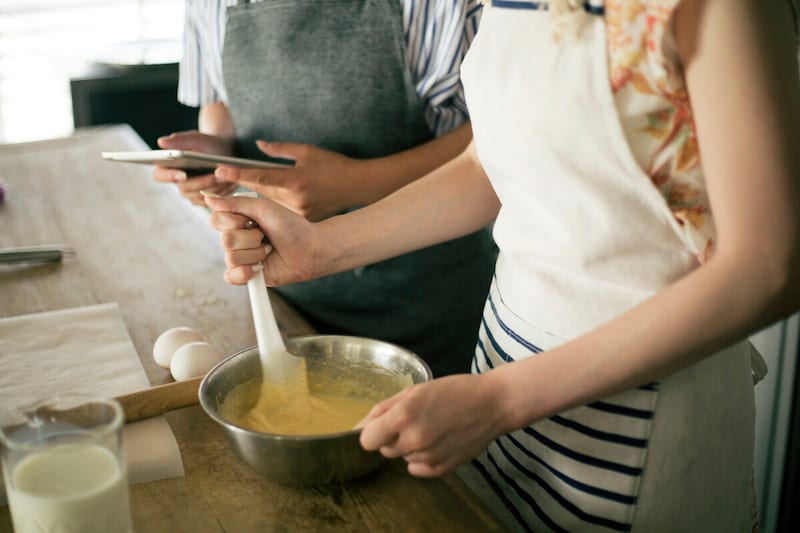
[
  {"x": 438, "y": 425},
  {"x": 320, "y": 184},
  {"x": 283, "y": 244},
  {"x": 197, "y": 142}
]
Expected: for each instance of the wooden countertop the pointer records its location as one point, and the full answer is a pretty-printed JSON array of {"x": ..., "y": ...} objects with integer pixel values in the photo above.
[{"x": 141, "y": 245}]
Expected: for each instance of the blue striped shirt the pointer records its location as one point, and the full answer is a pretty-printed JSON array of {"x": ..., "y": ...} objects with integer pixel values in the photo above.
[{"x": 437, "y": 34}]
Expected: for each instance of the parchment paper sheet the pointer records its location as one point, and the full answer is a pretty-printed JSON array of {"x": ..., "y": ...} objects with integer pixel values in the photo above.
[{"x": 85, "y": 350}]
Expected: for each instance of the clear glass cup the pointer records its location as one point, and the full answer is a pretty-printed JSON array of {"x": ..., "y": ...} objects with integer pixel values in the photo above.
[{"x": 64, "y": 465}]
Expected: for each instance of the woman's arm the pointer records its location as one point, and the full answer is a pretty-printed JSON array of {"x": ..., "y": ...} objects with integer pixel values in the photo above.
[
  {"x": 450, "y": 202},
  {"x": 454, "y": 200},
  {"x": 741, "y": 73}
]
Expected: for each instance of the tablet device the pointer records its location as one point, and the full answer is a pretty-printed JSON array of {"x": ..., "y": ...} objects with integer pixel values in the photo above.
[{"x": 193, "y": 160}]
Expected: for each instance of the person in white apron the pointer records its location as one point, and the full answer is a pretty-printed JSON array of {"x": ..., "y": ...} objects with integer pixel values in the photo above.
[{"x": 611, "y": 387}]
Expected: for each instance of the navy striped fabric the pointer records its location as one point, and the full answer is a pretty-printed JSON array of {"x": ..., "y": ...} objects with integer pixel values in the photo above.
[
  {"x": 577, "y": 470},
  {"x": 437, "y": 35},
  {"x": 594, "y": 7}
]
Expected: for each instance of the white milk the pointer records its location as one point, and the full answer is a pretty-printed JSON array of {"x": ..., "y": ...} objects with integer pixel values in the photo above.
[{"x": 69, "y": 488}]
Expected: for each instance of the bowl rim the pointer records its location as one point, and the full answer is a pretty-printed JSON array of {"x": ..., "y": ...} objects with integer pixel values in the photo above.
[{"x": 230, "y": 426}]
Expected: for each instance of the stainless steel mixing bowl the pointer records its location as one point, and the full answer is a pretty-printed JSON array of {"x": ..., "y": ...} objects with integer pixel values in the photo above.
[{"x": 312, "y": 460}]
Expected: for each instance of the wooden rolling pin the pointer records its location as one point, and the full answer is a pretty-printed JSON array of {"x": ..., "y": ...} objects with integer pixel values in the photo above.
[{"x": 160, "y": 399}]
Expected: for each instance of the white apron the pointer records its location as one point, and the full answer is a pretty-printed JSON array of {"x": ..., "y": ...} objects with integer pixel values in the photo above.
[{"x": 583, "y": 236}]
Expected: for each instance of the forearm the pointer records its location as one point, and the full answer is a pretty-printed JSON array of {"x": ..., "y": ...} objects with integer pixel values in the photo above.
[
  {"x": 454, "y": 200},
  {"x": 215, "y": 119},
  {"x": 718, "y": 304},
  {"x": 380, "y": 177}
]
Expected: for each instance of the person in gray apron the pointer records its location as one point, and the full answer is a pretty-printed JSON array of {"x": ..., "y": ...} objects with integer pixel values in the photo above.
[{"x": 335, "y": 75}]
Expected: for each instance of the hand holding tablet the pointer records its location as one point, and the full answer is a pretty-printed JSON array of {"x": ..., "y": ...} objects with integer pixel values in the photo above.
[{"x": 187, "y": 159}]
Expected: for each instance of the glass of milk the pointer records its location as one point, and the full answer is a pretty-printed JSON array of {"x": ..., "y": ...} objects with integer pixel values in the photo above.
[{"x": 64, "y": 465}]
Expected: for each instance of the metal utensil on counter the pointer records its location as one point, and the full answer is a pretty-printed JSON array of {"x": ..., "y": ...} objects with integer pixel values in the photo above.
[{"x": 48, "y": 253}]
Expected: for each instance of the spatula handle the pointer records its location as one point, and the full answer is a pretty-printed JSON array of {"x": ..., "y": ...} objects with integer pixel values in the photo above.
[{"x": 267, "y": 333}]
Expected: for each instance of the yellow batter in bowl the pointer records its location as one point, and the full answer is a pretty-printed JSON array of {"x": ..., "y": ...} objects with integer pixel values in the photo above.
[{"x": 317, "y": 401}]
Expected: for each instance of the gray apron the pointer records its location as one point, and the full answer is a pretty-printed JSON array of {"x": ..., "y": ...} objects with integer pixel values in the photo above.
[{"x": 334, "y": 74}]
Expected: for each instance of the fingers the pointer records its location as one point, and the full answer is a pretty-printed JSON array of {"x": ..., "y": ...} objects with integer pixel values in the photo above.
[
  {"x": 227, "y": 220},
  {"x": 235, "y": 218},
  {"x": 244, "y": 248},
  {"x": 259, "y": 177},
  {"x": 173, "y": 140},
  {"x": 244, "y": 263},
  {"x": 423, "y": 469},
  {"x": 241, "y": 275},
  {"x": 383, "y": 425},
  {"x": 401, "y": 427},
  {"x": 241, "y": 205},
  {"x": 253, "y": 178},
  {"x": 205, "y": 182},
  {"x": 407, "y": 441},
  {"x": 186, "y": 140},
  {"x": 242, "y": 239},
  {"x": 294, "y": 151},
  {"x": 190, "y": 188},
  {"x": 169, "y": 175},
  {"x": 196, "y": 184},
  {"x": 193, "y": 188},
  {"x": 227, "y": 174},
  {"x": 376, "y": 411},
  {"x": 223, "y": 189},
  {"x": 245, "y": 257}
]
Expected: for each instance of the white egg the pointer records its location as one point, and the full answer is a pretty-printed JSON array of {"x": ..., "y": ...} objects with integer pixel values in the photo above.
[
  {"x": 168, "y": 343},
  {"x": 193, "y": 360}
]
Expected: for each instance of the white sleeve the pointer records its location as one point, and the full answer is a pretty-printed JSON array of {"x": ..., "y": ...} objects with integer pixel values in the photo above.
[
  {"x": 438, "y": 34},
  {"x": 196, "y": 84}
]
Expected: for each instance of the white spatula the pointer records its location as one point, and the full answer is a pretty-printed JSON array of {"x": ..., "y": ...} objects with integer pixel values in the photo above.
[{"x": 277, "y": 364}]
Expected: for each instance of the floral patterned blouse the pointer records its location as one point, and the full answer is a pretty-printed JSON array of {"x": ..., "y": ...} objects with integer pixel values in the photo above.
[{"x": 656, "y": 115}]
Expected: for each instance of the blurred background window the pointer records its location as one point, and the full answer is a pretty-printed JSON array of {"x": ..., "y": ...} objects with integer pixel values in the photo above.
[{"x": 45, "y": 43}]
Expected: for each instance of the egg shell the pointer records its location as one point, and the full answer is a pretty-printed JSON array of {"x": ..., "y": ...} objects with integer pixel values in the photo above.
[
  {"x": 168, "y": 343},
  {"x": 193, "y": 360}
]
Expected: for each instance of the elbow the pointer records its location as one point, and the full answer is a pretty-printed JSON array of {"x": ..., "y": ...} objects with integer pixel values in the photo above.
[
  {"x": 791, "y": 285},
  {"x": 766, "y": 274},
  {"x": 782, "y": 282}
]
